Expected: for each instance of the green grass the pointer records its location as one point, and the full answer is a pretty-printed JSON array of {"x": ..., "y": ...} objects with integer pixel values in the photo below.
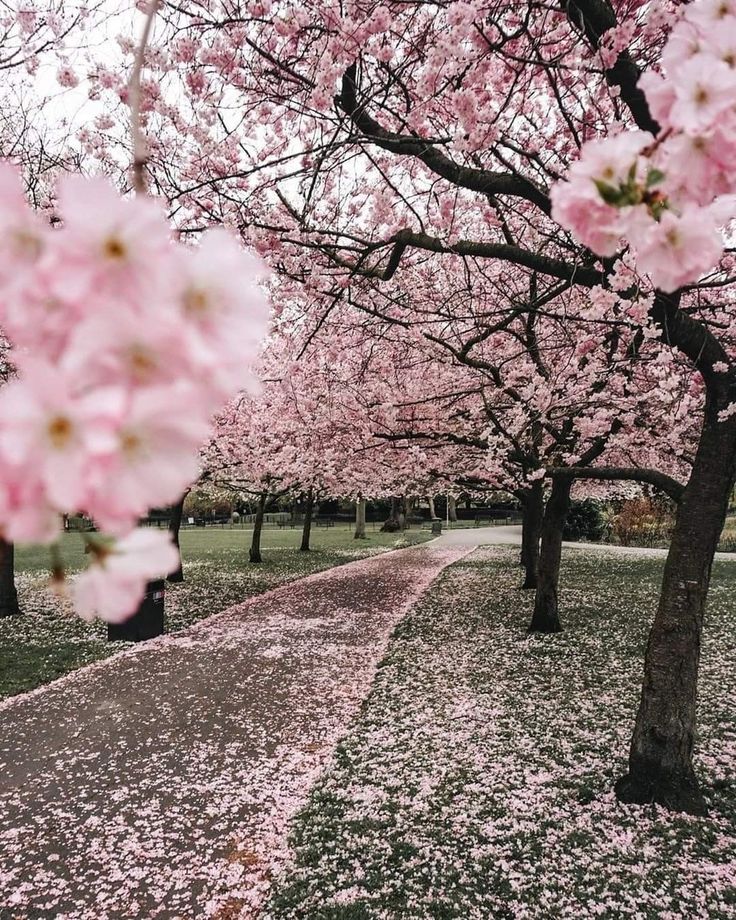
[
  {"x": 47, "y": 640},
  {"x": 476, "y": 781}
]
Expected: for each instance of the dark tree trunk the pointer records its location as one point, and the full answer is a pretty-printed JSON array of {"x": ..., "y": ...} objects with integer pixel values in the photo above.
[
  {"x": 359, "y": 518},
  {"x": 8, "y": 595},
  {"x": 307, "y": 529},
  {"x": 532, "y": 507},
  {"x": 254, "y": 554},
  {"x": 432, "y": 512},
  {"x": 177, "y": 511},
  {"x": 546, "y": 618},
  {"x": 393, "y": 523},
  {"x": 408, "y": 511},
  {"x": 660, "y": 759},
  {"x": 452, "y": 508}
]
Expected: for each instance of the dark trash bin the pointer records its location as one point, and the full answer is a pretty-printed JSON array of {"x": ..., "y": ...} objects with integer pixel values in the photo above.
[
  {"x": 147, "y": 622},
  {"x": 436, "y": 525}
]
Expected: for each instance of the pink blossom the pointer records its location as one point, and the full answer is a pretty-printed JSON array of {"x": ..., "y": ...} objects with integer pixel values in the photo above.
[
  {"x": 155, "y": 456},
  {"x": 110, "y": 245},
  {"x": 125, "y": 342},
  {"x": 66, "y": 76},
  {"x": 115, "y": 583},
  {"x": 22, "y": 233},
  {"x": 25, "y": 512},
  {"x": 704, "y": 89},
  {"x": 597, "y": 224},
  {"x": 680, "y": 248},
  {"x": 45, "y": 427},
  {"x": 660, "y": 95},
  {"x": 610, "y": 159}
]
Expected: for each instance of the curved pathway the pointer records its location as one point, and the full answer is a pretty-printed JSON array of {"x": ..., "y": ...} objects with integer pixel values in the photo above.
[
  {"x": 512, "y": 534},
  {"x": 158, "y": 783}
]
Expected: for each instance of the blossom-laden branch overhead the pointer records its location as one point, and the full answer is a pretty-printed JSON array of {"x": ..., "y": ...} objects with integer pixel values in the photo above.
[
  {"x": 125, "y": 342},
  {"x": 667, "y": 195}
]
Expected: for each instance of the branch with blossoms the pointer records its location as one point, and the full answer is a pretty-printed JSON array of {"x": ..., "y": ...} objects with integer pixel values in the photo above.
[
  {"x": 667, "y": 195},
  {"x": 125, "y": 343}
]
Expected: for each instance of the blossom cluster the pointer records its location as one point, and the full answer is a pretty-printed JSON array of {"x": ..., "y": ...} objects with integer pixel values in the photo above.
[
  {"x": 124, "y": 342},
  {"x": 667, "y": 196}
]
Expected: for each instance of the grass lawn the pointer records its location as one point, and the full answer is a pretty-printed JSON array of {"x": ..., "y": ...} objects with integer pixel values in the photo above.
[
  {"x": 476, "y": 782},
  {"x": 48, "y": 640}
]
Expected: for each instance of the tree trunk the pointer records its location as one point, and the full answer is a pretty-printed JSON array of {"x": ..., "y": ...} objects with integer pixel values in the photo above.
[
  {"x": 407, "y": 511},
  {"x": 546, "y": 618},
  {"x": 359, "y": 518},
  {"x": 307, "y": 529},
  {"x": 393, "y": 523},
  {"x": 8, "y": 595},
  {"x": 177, "y": 511},
  {"x": 452, "y": 508},
  {"x": 432, "y": 512},
  {"x": 660, "y": 758},
  {"x": 532, "y": 506},
  {"x": 255, "y": 547}
]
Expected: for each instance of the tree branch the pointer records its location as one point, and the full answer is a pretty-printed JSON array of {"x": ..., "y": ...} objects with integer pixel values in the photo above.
[
  {"x": 661, "y": 481},
  {"x": 476, "y": 180},
  {"x": 594, "y": 18}
]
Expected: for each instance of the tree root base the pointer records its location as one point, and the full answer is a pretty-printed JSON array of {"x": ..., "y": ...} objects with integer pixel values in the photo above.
[
  {"x": 545, "y": 629},
  {"x": 683, "y": 796}
]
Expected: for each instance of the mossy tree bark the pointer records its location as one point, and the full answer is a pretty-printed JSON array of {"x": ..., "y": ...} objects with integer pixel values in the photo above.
[
  {"x": 177, "y": 511},
  {"x": 546, "y": 616},
  {"x": 532, "y": 510},
  {"x": 254, "y": 554},
  {"x": 8, "y": 593},
  {"x": 660, "y": 758},
  {"x": 307, "y": 528},
  {"x": 394, "y": 521},
  {"x": 359, "y": 518}
]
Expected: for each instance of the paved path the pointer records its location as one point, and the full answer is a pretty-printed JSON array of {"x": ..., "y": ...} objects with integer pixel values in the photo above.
[
  {"x": 512, "y": 534},
  {"x": 158, "y": 783}
]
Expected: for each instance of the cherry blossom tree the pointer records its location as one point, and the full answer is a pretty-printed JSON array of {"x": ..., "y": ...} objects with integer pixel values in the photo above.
[
  {"x": 98, "y": 417},
  {"x": 358, "y": 147}
]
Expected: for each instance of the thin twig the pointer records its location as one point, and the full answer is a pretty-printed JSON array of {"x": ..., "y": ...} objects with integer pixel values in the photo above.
[{"x": 140, "y": 147}]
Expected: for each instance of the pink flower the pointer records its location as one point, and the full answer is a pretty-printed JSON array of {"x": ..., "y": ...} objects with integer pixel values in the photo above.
[
  {"x": 581, "y": 209},
  {"x": 25, "y": 513},
  {"x": 225, "y": 309},
  {"x": 220, "y": 281},
  {"x": 704, "y": 90},
  {"x": 125, "y": 342},
  {"x": 660, "y": 95},
  {"x": 23, "y": 235},
  {"x": 113, "y": 586},
  {"x": 155, "y": 456},
  {"x": 679, "y": 249},
  {"x": 66, "y": 76},
  {"x": 54, "y": 433},
  {"x": 692, "y": 167},
  {"x": 109, "y": 245},
  {"x": 610, "y": 159},
  {"x": 126, "y": 348},
  {"x": 684, "y": 43}
]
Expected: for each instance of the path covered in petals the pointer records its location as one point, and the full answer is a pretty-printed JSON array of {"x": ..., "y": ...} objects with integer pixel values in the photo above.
[{"x": 158, "y": 783}]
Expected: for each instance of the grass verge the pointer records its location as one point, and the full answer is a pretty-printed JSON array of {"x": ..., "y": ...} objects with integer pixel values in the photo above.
[{"x": 476, "y": 782}]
